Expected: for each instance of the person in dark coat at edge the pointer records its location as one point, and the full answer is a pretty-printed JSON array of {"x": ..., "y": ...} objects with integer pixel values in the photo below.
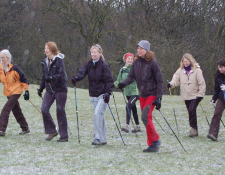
[
  {"x": 100, "y": 88},
  {"x": 54, "y": 79},
  {"x": 219, "y": 96},
  {"x": 14, "y": 81},
  {"x": 146, "y": 71}
]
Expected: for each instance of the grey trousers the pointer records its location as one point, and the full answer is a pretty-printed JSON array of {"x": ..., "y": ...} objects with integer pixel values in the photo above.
[{"x": 99, "y": 107}]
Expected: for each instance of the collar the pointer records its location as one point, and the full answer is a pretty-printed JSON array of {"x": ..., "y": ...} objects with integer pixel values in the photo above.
[{"x": 184, "y": 71}]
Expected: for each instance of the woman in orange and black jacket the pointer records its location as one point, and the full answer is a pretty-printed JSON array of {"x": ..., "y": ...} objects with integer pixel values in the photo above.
[{"x": 14, "y": 81}]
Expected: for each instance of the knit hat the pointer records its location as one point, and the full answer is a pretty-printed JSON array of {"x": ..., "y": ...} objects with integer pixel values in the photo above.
[
  {"x": 144, "y": 44},
  {"x": 127, "y": 55}
]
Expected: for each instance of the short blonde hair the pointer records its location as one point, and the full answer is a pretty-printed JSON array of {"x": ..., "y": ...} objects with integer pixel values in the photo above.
[
  {"x": 99, "y": 49},
  {"x": 190, "y": 58}
]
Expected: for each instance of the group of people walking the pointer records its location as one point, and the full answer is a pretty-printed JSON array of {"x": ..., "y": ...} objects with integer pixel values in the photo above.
[{"x": 140, "y": 79}]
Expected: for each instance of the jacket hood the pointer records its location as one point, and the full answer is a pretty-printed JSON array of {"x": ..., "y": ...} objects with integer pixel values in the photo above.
[
  {"x": 59, "y": 55},
  {"x": 197, "y": 65}
]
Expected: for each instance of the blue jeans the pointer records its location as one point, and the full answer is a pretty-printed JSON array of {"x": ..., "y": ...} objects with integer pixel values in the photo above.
[{"x": 99, "y": 107}]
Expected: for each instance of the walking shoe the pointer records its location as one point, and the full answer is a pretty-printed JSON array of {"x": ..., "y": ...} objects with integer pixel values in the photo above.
[
  {"x": 24, "y": 132},
  {"x": 125, "y": 128},
  {"x": 2, "y": 133},
  {"x": 154, "y": 147},
  {"x": 50, "y": 136},
  {"x": 212, "y": 137},
  {"x": 62, "y": 140},
  {"x": 137, "y": 128},
  {"x": 96, "y": 142},
  {"x": 104, "y": 143},
  {"x": 193, "y": 133}
]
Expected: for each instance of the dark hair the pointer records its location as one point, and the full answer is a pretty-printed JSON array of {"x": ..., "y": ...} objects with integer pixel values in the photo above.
[{"x": 221, "y": 62}]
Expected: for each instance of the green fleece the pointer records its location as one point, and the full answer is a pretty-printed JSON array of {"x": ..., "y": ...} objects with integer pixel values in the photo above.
[{"x": 131, "y": 89}]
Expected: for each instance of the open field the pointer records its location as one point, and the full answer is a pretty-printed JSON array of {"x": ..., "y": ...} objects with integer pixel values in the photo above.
[{"x": 32, "y": 154}]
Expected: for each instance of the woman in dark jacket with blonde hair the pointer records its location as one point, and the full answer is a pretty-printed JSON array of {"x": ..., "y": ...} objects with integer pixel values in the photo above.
[
  {"x": 54, "y": 79},
  {"x": 100, "y": 88}
]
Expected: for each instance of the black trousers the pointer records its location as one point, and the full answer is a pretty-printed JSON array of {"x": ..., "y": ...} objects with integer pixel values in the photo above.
[{"x": 132, "y": 106}]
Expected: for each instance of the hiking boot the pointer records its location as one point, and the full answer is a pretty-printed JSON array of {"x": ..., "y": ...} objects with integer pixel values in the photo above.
[
  {"x": 2, "y": 133},
  {"x": 62, "y": 140},
  {"x": 212, "y": 137},
  {"x": 193, "y": 133},
  {"x": 96, "y": 142},
  {"x": 154, "y": 147},
  {"x": 24, "y": 132},
  {"x": 50, "y": 136},
  {"x": 125, "y": 128},
  {"x": 137, "y": 128}
]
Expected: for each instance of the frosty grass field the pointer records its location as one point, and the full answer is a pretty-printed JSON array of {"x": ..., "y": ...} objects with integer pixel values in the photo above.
[{"x": 32, "y": 154}]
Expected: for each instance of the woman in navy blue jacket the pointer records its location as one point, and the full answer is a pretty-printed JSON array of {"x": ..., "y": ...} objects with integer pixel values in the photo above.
[{"x": 54, "y": 79}]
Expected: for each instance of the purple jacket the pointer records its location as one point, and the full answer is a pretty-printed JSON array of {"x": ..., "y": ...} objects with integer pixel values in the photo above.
[
  {"x": 99, "y": 76},
  {"x": 58, "y": 73},
  {"x": 148, "y": 77}
]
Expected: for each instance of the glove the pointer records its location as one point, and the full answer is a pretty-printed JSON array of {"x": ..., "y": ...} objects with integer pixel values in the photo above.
[
  {"x": 157, "y": 103},
  {"x": 26, "y": 95},
  {"x": 198, "y": 99},
  {"x": 121, "y": 85},
  {"x": 212, "y": 102},
  {"x": 39, "y": 91},
  {"x": 48, "y": 79},
  {"x": 106, "y": 98},
  {"x": 222, "y": 87},
  {"x": 168, "y": 85},
  {"x": 74, "y": 80}
]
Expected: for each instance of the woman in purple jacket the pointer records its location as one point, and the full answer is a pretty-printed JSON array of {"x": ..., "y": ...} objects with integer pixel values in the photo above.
[
  {"x": 100, "y": 84},
  {"x": 54, "y": 79}
]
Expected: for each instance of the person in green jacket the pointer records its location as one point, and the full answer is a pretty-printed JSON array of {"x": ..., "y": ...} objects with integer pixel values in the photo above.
[{"x": 131, "y": 93}]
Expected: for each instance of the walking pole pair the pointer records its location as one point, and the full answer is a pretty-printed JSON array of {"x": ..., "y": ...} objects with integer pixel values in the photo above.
[
  {"x": 172, "y": 130},
  {"x": 115, "y": 123},
  {"x": 204, "y": 113},
  {"x": 220, "y": 119},
  {"x": 116, "y": 109},
  {"x": 131, "y": 118},
  {"x": 173, "y": 109}
]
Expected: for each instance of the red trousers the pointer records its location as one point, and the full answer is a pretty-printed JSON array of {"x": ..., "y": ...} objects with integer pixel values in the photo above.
[{"x": 150, "y": 128}]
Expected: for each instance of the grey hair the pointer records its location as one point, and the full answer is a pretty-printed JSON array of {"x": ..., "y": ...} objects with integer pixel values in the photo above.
[{"x": 8, "y": 55}]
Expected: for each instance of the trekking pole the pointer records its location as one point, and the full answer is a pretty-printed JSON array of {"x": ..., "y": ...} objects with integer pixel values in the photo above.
[
  {"x": 51, "y": 89},
  {"x": 173, "y": 109},
  {"x": 77, "y": 114},
  {"x": 116, "y": 123},
  {"x": 116, "y": 109},
  {"x": 204, "y": 113},
  {"x": 172, "y": 130},
  {"x": 35, "y": 106},
  {"x": 131, "y": 118},
  {"x": 220, "y": 119},
  {"x": 158, "y": 123}
]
